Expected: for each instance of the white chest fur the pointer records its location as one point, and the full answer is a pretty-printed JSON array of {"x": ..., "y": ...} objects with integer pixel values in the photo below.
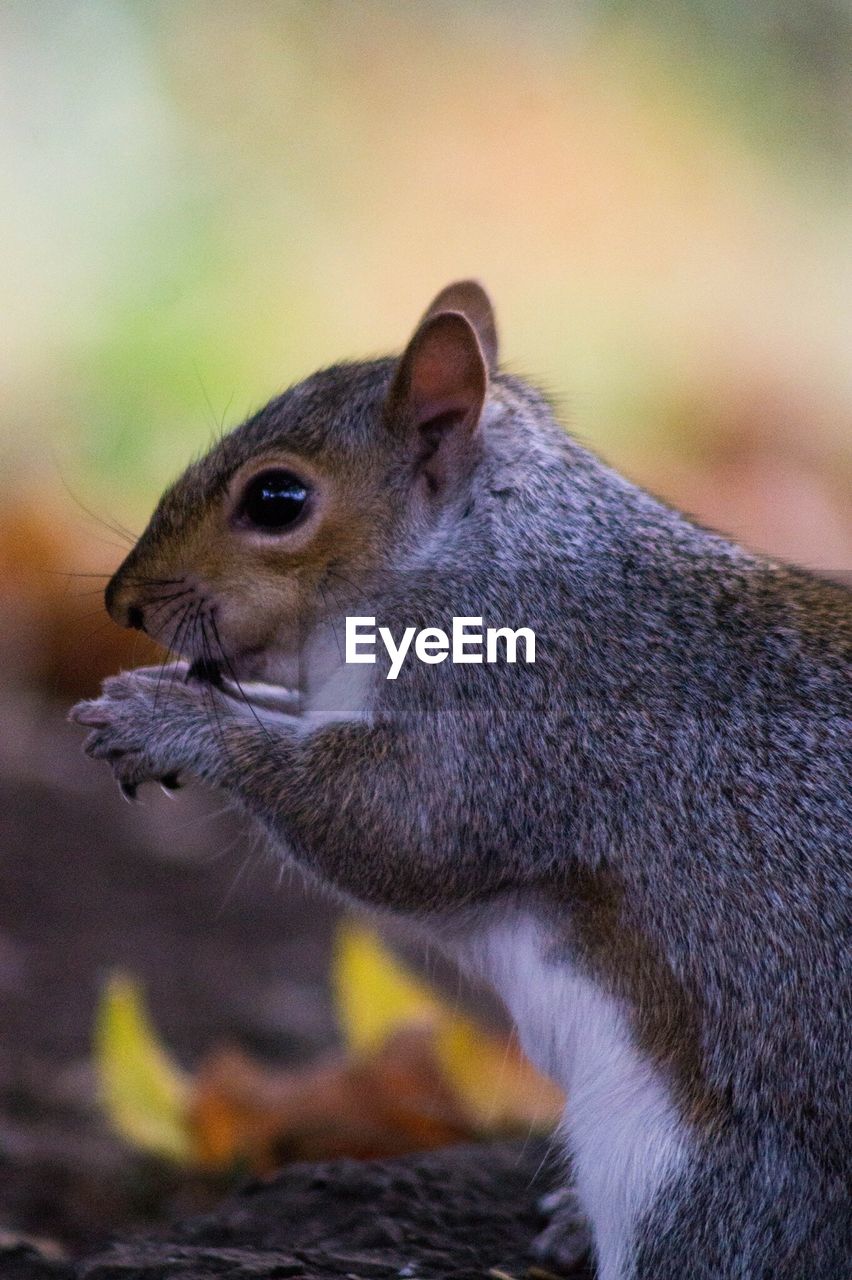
[{"x": 621, "y": 1127}]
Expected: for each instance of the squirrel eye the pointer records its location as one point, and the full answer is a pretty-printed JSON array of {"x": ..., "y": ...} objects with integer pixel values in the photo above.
[{"x": 273, "y": 501}]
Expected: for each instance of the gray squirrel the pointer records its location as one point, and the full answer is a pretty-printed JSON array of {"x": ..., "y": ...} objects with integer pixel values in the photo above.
[{"x": 641, "y": 839}]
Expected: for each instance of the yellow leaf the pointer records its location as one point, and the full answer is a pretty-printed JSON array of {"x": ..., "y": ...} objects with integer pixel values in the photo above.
[
  {"x": 145, "y": 1095},
  {"x": 375, "y": 995},
  {"x": 499, "y": 1086}
]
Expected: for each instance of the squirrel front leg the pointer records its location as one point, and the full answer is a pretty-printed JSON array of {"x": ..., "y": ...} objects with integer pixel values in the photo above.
[
  {"x": 356, "y": 803},
  {"x": 364, "y": 809},
  {"x": 359, "y": 805}
]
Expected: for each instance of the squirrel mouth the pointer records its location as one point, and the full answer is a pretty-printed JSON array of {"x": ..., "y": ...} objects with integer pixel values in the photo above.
[
  {"x": 260, "y": 694},
  {"x": 205, "y": 671}
]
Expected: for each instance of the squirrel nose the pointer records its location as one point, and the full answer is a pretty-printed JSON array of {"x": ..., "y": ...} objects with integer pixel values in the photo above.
[{"x": 122, "y": 612}]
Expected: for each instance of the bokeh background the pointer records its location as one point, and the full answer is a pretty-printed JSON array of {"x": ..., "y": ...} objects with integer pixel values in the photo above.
[
  {"x": 207, "y": 199},
  {"x": 203, "y": 200}
]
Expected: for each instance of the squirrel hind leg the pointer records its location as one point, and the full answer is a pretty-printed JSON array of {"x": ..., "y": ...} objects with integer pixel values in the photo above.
[{"x": 565, "y": 1244}]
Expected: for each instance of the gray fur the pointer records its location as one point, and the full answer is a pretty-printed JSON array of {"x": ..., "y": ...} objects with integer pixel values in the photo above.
[{"x": 680, "y": 751}]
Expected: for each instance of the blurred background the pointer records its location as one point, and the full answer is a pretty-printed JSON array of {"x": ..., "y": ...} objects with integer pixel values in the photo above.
[{"x": 204, "y": 200}]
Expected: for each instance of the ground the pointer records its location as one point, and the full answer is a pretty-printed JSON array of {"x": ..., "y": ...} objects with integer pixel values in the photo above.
[{"x": 464, "y": 1213}]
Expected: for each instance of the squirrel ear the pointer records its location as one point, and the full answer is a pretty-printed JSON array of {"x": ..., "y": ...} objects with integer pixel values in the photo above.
[
  {"x": 470, "y": 299},
  {"x": 438, "y": 390}
]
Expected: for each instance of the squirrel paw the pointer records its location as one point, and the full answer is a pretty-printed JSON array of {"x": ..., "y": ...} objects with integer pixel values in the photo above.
[
  {"x": 146, "y": 726},
  {"x": 565, "y": 1243}
]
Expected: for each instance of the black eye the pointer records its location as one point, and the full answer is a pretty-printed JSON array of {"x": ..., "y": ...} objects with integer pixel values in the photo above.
[{"x": 273, "y": 500}]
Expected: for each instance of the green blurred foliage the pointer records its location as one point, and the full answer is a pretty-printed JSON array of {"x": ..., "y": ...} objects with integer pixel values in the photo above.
[{"x": 207, "y": 198}]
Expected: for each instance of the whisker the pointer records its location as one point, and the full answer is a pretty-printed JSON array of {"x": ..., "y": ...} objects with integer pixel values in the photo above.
[
  {"x": 241, "y": 870},
  {"x": 211, "y": 696},
  {"x": 116, "y": 546},
  {"x": 134, "y": 579},
  {"x": 65, "y": 573},
  {"x": 331, "y": 622},
  {"x": 208, "y": 657},
  {"x": 92, "y": 613},
  {"x": 188, "y": 642},
  {"x": 161, "y": 604},
  {"x": 219, "y": 435},
  {"x": 233, "y": 675},
  {"x": 183, "y": 612},
  {"x": 218, "y": 420},
  {"x": 172, "y": 595},
  {"x": 111, "y": 525},
  {"x": 348, "y": 582},
  {"x": 91, "y": 632}
]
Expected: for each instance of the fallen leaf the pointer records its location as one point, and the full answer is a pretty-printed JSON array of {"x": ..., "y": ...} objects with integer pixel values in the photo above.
[
  {"x": 145, "y": 1095},
  {"x": 493, "y": 1079},
  {"x": 497, "y": 1083},
  {"x": 386, "y": 1103},
  {"x": 374, "y": 994},
  {"x": 414, "y": 1074}
]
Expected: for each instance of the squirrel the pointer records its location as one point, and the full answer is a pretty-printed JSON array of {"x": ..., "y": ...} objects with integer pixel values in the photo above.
[{"x": 641, "y": 839}]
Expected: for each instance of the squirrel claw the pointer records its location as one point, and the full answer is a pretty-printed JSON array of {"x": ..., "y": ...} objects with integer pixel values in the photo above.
[
  {"x": 128, "y": 790},
  {"x": 170, "y": 783},
  {"x": 565, "y": 1243}
]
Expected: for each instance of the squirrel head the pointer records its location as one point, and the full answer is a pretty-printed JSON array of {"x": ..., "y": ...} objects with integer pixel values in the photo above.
[{"x": 298, "y": 508}]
